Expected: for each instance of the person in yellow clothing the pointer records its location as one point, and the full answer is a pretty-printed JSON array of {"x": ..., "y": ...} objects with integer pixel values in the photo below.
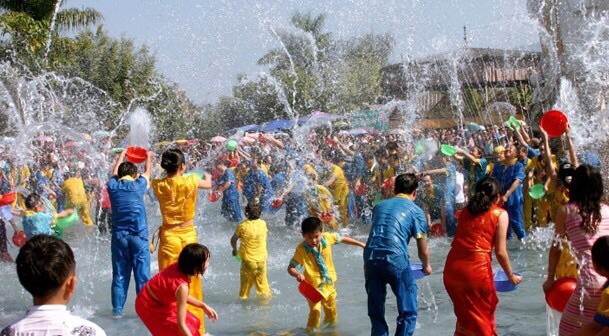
[
  {"x": 177, "y": 196},
  {"x": 337, "y": 183},
  {"x": 252, "y": 253},
  {"x": 314, "y": 257},
  {"x": 320, "y": 203},
  {"x": 73, "y": 189}
]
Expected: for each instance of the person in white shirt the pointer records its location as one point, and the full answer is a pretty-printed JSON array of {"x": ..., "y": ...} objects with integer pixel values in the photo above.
[{"x": 46, "y": 268}]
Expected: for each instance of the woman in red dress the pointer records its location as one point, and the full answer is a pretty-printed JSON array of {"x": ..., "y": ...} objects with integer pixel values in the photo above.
[{"x": 468, "y": 273}]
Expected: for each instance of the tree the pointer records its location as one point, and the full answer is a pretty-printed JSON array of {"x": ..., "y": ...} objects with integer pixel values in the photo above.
[{"x": 31, "y": 23}]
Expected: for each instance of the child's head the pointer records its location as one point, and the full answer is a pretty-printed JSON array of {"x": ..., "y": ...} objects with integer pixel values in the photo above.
[
  {"x": 193, "y": 259},
  {"x": 600, "y": 256},
  {"x": 45, "y": 264},
  {"x": 312, "y": 229},
  {"x": 127, "y": 169},
  {"x": 252, "y": 211},
  {"x": 33, "y": 202}
]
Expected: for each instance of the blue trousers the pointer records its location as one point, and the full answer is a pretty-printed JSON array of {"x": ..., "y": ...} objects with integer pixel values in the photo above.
[
  {"x": 516, "y": 215},
  {"x": 129, "y": 252},
  {"x": 231, "y": 209},
  {"x": 379, "y": 274},
  {"x": 295, "y": 209}
]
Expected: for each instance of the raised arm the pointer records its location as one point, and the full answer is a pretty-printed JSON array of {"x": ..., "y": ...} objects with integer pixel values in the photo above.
[
  {"x": 572, "y": 152},
  {"x": 148, "y": 166},
  {"x": 118, "y": 162}
]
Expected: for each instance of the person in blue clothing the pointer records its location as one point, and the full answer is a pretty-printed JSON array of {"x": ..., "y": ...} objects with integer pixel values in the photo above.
[
  {"x": 474, "y": 165},
  {"x": 430, "y": 197},
  {"x": 257, "y": 187},
  {"x": 394, "y": 222},
  {"x": 279, "y": 179},
  {"x": 510, "y": 174},
  {"x": 227, "y": 185},
  {"x": 447, "y": 176},
  {"x": 36, "y": 221},
  {"x": 129, "y": 245},
  {"x": 294, "y": 195}
]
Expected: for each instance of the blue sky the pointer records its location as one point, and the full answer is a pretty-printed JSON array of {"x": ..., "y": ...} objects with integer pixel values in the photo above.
[{"x": 203, "y": 44}]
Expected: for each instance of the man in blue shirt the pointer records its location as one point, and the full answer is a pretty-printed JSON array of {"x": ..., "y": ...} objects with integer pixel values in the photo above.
[
  {"x": 510, "y": 174},
  {"x": 394, "y": 222},
  {"x": 129, "y": 246}
]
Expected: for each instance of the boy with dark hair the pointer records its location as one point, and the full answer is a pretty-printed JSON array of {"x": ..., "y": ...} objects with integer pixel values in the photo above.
[
  {"x": 252, "y": 252},
  {"x": 36, "y": 221},
  {"x": 46, "y": 269},
  {"x": 129, "y": 245},
  {"x": 314, "y": 257}
]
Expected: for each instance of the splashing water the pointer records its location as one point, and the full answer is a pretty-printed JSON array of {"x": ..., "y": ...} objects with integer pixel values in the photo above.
[{"x": 140, "y": 127}]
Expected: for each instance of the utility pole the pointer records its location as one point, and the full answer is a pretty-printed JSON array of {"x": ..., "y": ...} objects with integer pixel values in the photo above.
[{"x": 465, "y": 36}]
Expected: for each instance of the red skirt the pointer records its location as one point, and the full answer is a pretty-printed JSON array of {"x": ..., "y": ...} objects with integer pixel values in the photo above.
[
  {"x": 468, "y": 278},
  {"x": 162, "y": 319}
]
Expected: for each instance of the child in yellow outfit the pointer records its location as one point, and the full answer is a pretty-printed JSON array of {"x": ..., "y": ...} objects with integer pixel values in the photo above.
[
  {"x": 314, "y": 257},
  {"x": 252, "y": 252},
  {"x": 76, "y": 197},
  {"x": 337, "y": 183}
]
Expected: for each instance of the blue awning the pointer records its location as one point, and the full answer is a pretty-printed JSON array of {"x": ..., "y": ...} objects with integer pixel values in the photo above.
[{"x": 278, "y": 124}]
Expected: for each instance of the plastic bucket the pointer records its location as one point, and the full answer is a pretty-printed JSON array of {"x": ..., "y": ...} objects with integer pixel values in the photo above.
[
  {"x": 558, "y": 296},
  {"x": 448, "y": 150},
  {"x": 437, "y": 230},
  {"x": 67, "y": 221},
  {"x": 8, "y": 199},
  {"x": 213, "y": 197},
  {"x": 276, "y": 203},
  {"x": 326, "y": 217},
  {"x": 537, "y": 191},
  {"x": 554, "y": 123},
  {"x": 502, "y": 283},
  {"x": 19, "y": 238},
  {"x": 136, "y": 154},
  {"x": 231, "y": 145},
  {"x": 514, "y": 122},
  {"x": 417, "y": 270},
  {"x": 309, "y": 292},
  {"x": 361, "y": 190}
]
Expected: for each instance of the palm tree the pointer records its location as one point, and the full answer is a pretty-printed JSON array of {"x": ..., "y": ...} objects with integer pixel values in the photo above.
[{"x": 30, "y": 23}]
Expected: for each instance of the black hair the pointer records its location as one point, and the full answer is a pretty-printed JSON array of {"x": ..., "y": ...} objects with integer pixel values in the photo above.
[
  {"x": 311, "y": 225},
  {"x": 586, "y": 191},
  {"x": 564, "y": 171},
  {"x": 252, "y": 211},
  {"x": 32, "y": 201},
  {"x": 172, "y": 159},
  {"x": 487, "y": 190},
  {"x": 225, "y": 163},
  {"x": 192, "y": 258},
  {"x": 43, "y": 265},
  {"x": 600, "y": 252},
  {"x": 406, "y": 184},
  {"x": 127, "y": 169}
]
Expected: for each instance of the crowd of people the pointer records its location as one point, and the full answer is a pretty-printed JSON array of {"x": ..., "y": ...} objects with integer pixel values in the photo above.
[{"x": 403, "y": 187}]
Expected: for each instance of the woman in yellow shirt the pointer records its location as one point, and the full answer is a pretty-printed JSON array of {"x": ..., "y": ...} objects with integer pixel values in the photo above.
[{"x": 177, "y": 196}]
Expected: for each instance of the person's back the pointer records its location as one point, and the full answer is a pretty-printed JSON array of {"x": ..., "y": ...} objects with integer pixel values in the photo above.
[
  {"x": 127, "y": 201},
  {"x": 45, "y": 267},
  {"x": 393, "y": 224}
]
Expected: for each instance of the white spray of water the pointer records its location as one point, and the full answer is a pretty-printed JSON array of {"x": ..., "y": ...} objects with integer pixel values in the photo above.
[{"x": 140, "y": 126}]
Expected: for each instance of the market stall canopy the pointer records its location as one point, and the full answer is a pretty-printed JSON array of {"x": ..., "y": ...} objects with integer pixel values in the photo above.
[
  {"x": 277, "y": 125},
  {"x": 319, "y": 117}
]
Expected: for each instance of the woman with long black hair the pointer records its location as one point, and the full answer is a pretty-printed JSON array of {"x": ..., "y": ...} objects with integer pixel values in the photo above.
[{"x": 468, "y": 273}]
